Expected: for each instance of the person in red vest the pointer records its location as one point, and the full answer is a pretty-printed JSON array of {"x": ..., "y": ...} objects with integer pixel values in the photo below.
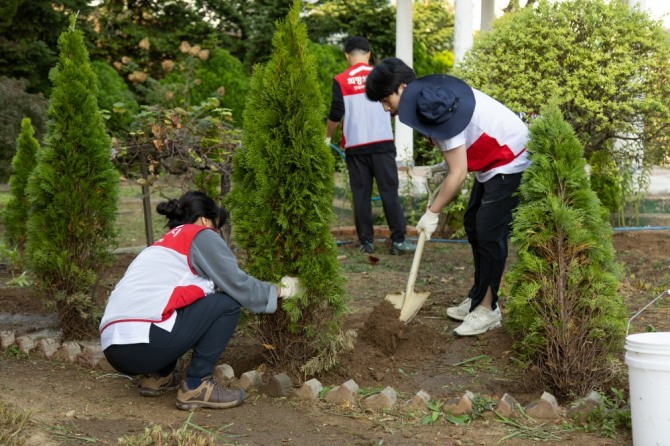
[
  {"x": 367, "y": 139},
  {"x": 474, "y": 133},
  {"x": 184, "y": 292}
]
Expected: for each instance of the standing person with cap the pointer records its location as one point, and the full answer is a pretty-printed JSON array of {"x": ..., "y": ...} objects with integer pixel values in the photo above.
[
  {"x": 367, "y": 138},
  {"x": 475, "y": 133},
  {"x": 184, "y": 293}
]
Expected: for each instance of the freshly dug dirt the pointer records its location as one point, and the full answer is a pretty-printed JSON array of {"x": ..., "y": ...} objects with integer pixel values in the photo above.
[{"x": 383, "y": 328}]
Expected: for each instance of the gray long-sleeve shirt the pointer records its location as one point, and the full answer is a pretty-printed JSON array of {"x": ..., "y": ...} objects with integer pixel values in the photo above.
[{"x": 212, "y": 258}]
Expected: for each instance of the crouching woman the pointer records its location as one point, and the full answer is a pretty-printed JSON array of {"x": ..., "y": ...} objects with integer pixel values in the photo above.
[{"x": 184, "y": 292}]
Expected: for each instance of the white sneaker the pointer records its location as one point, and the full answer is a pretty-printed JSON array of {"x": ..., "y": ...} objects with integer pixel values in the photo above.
[
  {"x": 478, "y": 321},
  {"x": 461, "y": 311}
]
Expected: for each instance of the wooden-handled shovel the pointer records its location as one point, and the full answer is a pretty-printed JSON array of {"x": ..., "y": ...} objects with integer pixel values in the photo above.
[{"x": 410, "y": 302}]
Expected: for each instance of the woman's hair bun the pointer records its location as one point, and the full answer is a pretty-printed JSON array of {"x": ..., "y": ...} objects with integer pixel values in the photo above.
[{"x": 171, "y": 209}]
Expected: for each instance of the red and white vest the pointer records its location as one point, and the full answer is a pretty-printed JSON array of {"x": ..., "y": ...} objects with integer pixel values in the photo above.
[
  {"x": 158, "y": 282},
  {"x": 495, "y": 140},
  {"x": 365, "y": 121}
]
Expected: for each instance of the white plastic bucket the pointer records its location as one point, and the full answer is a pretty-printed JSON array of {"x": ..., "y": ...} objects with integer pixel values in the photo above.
[{"x": 648, "y": 359}]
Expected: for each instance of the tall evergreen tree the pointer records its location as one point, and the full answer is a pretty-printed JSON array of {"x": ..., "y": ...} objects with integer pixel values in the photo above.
[
  {"x": 563, "y": 306},
  {"x": 73, "y": 192},
  {"x": 281, "y": 201},
  {"x": 15, "y": 214}
]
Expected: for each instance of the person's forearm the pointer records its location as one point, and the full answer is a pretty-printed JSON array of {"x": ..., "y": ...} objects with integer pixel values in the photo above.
[
  {"x": 457, "y": 165},
  {"x": 448, "y": 190},
  {"x": 331, "y": 126},
  {"x": 212, "y": 259}
]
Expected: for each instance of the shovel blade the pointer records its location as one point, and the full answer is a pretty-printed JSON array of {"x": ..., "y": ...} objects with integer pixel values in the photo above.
[
  {"x": 397, "y": 300},
  {"x": 412, "y": 306}
]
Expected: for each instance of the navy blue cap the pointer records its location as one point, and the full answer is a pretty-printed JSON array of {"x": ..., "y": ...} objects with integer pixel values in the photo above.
[{"x": 439, "y": 106}]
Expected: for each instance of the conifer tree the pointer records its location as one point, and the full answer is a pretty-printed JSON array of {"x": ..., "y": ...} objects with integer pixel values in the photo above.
[
  {"x": 563, "y": 306},
  {"x": 281, "y": 202},
  {"x": 73, "y": 192},
  {"x": 15, "y": 214}
]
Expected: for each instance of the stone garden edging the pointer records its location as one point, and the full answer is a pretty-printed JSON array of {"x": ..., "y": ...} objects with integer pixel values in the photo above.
[{"x": 48, "y": 344}]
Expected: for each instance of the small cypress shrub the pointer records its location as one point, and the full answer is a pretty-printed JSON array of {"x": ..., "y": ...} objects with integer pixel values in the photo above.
[
  {"x": 15, "y": 214},
  {"x": 563, "y": 306},
  {"x": 281, "y": 202},
  {"x": 73, "y": 193}
]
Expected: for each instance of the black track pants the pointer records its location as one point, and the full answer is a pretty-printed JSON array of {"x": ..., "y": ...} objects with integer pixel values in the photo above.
[
  {"x": 487, "y": 221},
  {"x": 205, "y": 326},
  {"x": 383, "y": 168}
]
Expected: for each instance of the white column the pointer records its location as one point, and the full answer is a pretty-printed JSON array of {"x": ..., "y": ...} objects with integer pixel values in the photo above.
[
  {"x": 463, "y": 38},
  {"x": 403, "y": 50},
  {"x": 488, "y": 14}
]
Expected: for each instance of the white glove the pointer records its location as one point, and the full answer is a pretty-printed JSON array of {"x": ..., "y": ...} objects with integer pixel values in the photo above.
[
  {"x": 428, "y": 223},
  {"x": 289, "y": 287},
  {"x": 436, "y": 169},
  {"x": 327, "y": 141}
]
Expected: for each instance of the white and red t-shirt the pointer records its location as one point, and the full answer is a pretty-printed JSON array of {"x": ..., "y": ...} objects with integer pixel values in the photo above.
[
  {"x": 158, "y": 282},
  {"x": 495, "y": 140},
  {"x": 365, "y": 121}
]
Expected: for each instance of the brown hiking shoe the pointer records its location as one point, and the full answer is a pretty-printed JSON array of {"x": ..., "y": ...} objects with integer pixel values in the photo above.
[
  {"x": 208, "y": 394},
  {"x": 154, "y": 385}
]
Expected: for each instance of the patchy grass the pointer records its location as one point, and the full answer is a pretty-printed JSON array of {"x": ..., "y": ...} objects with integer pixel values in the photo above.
[
  {"x": 13, "y": 425},
  {"x": 189, "y": 434}
]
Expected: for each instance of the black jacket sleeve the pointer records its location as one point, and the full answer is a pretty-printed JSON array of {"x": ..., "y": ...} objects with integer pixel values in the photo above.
[{"x": 337, "y": 104}]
